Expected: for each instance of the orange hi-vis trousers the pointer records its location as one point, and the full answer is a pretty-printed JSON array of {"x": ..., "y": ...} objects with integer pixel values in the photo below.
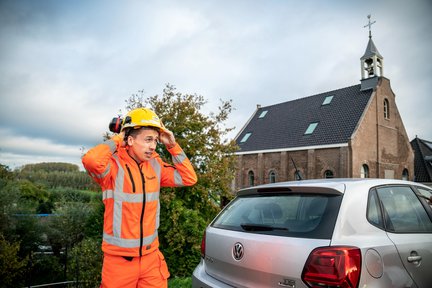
[{"x": 149, "y": 270}]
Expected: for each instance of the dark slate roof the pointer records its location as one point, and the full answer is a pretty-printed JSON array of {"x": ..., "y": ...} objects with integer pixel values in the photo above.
[
  {"x": 284, "y": 124},
  {"x": 422, "y": 160}
]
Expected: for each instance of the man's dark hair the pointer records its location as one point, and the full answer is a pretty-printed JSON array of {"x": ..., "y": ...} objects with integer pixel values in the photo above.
[{"x": 136, "y": 130}]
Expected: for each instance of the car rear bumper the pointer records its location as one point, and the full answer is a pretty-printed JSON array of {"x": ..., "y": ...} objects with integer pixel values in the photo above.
[{"x": 200, "y": 279}]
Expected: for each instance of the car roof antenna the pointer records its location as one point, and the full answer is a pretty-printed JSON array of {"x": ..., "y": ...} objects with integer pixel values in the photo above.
[{"x": 297, "y": 173}]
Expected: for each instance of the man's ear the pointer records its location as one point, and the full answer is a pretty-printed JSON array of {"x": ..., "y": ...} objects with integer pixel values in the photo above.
[{"x": 129, "y": 141}]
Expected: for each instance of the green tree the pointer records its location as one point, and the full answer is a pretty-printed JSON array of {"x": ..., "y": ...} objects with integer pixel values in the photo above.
[
  {"x": 94, "y": 224},
  {"x": 19, "y": 201},
  {"x": 181, "y": 237},
  {"x": 50, "y": 167},
  {"x": 44, "y": 268},
  {"x": 57, "y": 175},
  {"x": 5, "y": 173},
  {"x": 186, "y": 211},
  {"x": 9, "y": 200},
  {"x": 67, "y": 228},
  {"x": 24, "y": 236},
  {"x": 12, "y": 267},
  {"x": 86, "y": 263}
]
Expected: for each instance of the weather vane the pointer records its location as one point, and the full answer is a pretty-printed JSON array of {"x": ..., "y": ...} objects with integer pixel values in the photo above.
[{"x": 369, "y": 24}]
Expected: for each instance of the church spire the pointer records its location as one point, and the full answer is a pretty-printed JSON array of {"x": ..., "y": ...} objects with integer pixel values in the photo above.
[{"x": 372, "y": 63}]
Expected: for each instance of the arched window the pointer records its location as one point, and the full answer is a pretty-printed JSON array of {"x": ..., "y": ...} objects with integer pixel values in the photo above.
[
  {"x": 364, "y": 171},
  {"x": 405, "y": 174},
  {"x": 386, "y": 109},
  {"x": 272, "y": 177},
  {"x": 328, "y": 174},
  {"x": 251, "y": 178}
]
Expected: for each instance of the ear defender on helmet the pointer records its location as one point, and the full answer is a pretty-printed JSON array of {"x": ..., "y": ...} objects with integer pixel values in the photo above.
[
  {"x": 116, "y": 124},
  {"x": 127, "y": 120}
]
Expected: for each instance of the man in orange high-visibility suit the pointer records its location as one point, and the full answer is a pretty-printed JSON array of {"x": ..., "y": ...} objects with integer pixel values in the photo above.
[{"x": 130, "y": 173}]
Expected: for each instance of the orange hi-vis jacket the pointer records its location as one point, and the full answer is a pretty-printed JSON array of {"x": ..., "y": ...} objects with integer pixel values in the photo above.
[{"x": 131, "y": 194}]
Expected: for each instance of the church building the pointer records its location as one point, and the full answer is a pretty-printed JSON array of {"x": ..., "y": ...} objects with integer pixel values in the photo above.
[{"x": 350, "y": 132}]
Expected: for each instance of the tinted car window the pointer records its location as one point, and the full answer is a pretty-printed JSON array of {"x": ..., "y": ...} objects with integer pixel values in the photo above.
[
  {"x": 374, "y": 215},
  {"x": 403, "y": 210},
  {"x": 295, "y": 215},
  {"x": 426, "y": 194}
]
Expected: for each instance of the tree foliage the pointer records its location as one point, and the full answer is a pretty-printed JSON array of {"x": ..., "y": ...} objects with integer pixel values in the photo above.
[
  {"x": 11, "y": 266},
  {"x": 86, "y": 262},
  {"x": 76, "y": 215},
  {"x": 50, "y": 167},
  {"x": 56, "y": 175}
]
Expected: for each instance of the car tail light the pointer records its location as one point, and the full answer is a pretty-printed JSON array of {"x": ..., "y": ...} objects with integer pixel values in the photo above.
[
  {"x": 203, "y": 244},
  {"x": 333, "y": 267}
]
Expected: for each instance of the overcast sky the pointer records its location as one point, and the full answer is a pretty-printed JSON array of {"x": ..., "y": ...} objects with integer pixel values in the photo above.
[{"x": 67, "y": 67}]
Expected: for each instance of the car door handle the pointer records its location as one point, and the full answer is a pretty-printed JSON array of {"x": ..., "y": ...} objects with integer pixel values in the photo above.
[{"x": 414, "y": 258}]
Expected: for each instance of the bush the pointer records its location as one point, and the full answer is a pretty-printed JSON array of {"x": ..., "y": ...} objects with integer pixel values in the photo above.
[
  {"x": 45, "y": 269},
  {"x": 180, "y": 237},
  {"x": 86, "y": 263},
  {"x": 180, "y": 282},
  {"x": 12, "y": 268}
]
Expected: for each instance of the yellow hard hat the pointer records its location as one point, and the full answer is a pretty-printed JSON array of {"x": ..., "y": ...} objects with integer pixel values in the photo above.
[{"x": 141, "y": 117}]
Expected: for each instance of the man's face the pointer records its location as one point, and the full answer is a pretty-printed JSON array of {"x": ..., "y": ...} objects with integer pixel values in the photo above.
[{"x": 142, "y": 147}]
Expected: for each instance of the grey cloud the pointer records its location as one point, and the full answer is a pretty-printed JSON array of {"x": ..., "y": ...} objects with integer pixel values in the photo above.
[{"x": 67, "y": 67}]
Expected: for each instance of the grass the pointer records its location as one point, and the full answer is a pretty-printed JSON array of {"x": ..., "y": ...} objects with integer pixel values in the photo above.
[{"x": 180, "y": 282}]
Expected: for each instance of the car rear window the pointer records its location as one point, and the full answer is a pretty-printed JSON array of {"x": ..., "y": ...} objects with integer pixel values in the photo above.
[{"x": 293, "y": 215}]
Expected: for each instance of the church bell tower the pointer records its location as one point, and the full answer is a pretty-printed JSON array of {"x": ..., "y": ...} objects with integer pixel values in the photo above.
[{"x": 372, "y": 63}]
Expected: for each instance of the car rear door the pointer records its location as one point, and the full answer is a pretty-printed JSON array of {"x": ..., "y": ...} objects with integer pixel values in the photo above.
[
  {"x": 265, "y": 240},
  {"x": 409, "y": 227}
]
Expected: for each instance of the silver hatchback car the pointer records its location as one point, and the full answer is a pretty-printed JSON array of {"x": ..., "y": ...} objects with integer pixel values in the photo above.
[{"x": 321, "y": 233}]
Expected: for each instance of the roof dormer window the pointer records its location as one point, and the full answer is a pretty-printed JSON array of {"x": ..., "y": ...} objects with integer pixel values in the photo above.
[
  {"x": 245, "y": 137},
  {"x": 327, "y": 100},
  {"x": 311, "y": 128},
  {"x": 263, "y": 114}
]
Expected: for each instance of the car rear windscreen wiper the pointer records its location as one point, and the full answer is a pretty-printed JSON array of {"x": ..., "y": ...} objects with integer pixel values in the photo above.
[{"x": 261, "y": 227}]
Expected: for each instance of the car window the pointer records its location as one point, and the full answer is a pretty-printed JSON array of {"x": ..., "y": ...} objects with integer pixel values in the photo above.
[
  {"x": 403, "y": 210},
  {"x": 287, "y": 214},
  {"x": 427, "y": 195},
  {"x": 374, "y": 215}
]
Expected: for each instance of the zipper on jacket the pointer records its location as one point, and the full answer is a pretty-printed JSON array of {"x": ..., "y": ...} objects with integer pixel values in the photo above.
[
  {"x": 130, "y": 176},
  {"x": 143, "y": 202},
  {"x": 142, "y": 211}
]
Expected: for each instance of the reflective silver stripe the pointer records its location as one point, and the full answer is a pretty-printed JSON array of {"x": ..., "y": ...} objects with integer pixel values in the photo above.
[
  {"x": 117, "y": 221},
  {"x": 129, "y": 197},
  {"x": 117, "y": 209},
  {"x": 178, "y": 159},
  {"x": 107, "y": 194},
  {"x": 103, "y": 174},
  {"x": 157, "y": 216},
  {"x": 178, "y": 179},
  {"x": 129, "y": 243},
  {"x": 152, "y": 196},
  {"x": 156, "y": 167},
  {"x": 111, "y": 144},
  {"x": 120, "y": 175}
]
